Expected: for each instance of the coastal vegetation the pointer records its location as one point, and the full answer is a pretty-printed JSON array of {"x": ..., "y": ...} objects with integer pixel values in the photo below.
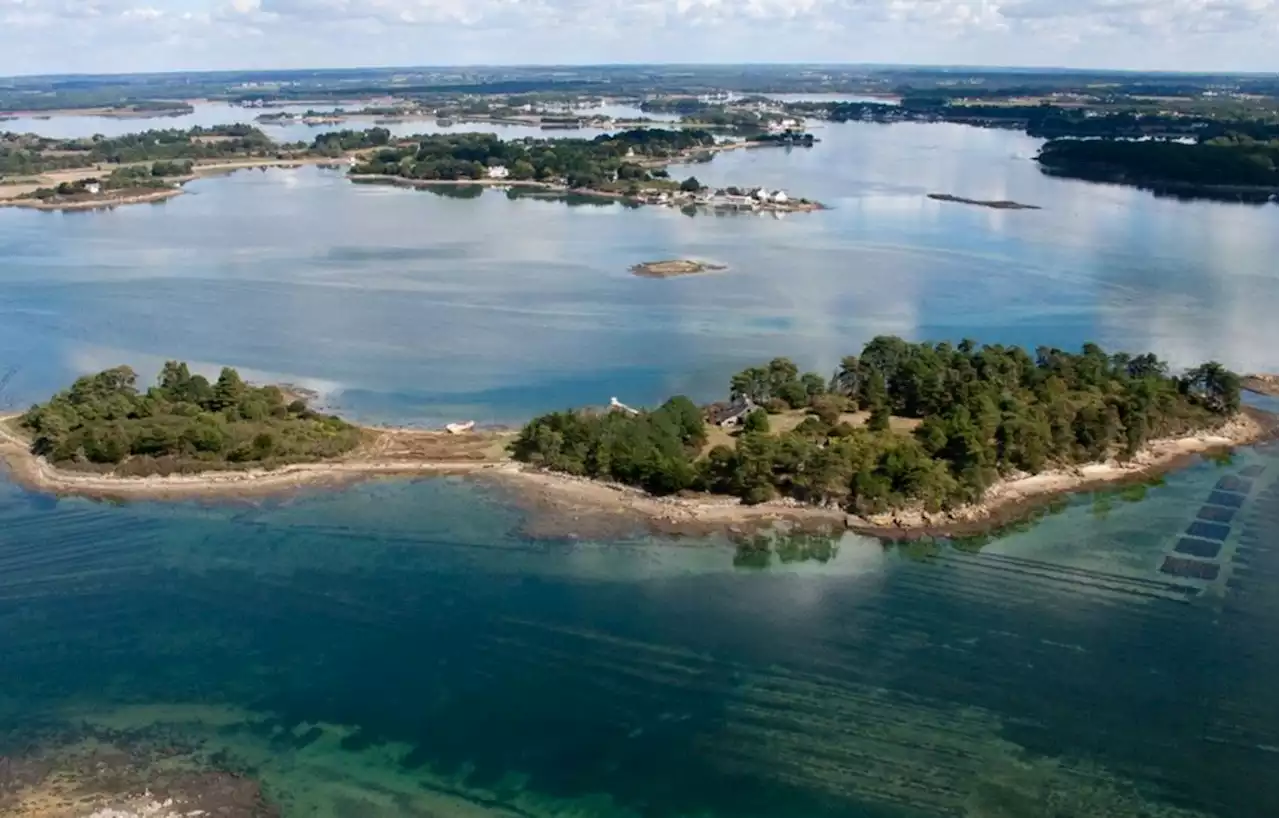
[
  {"x": 183, "y": 423},
  {"x": 125, "y": 180},
  {"x": 580, "y": 163},
  {"x": 903, "y": 425},
  {"x": 28, "y": 154},
  {"x": 1221, "y": 163}
]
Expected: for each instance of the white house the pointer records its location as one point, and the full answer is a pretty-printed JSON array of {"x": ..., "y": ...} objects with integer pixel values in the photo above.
[
  {"x": 92, "y": 187},
  {"x": 499, "y": 172},
  {"x": 761, "y": 194},
  {"x": 780, "y": 197}
]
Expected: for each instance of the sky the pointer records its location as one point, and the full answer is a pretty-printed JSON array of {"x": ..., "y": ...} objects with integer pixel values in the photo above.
[{"x": 110, "y": 36}]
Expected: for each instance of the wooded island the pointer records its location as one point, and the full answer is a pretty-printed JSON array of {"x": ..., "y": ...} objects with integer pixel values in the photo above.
[
  {"x": 182, "y": 424},
  {"x": 901, "y": 425}
]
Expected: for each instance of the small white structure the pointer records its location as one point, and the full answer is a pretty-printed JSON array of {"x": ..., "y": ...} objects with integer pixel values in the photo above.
[
  {"x": 459, "y": 428},
  {"x": 499, "y": 172},
  {"x": 93, "y": 187},
  {"x": 780, "y": 197},
  {"x": 616, "y": 405},
  {"x": 761, "y": 194}
]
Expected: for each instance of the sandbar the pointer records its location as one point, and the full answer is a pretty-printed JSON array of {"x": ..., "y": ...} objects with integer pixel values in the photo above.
[
  {"x": 675, "y": 267},
  {"x": 996, "y": 204}
]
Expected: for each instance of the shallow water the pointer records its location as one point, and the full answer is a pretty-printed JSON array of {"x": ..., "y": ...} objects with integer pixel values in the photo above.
[{"x": 398, "y": 648}]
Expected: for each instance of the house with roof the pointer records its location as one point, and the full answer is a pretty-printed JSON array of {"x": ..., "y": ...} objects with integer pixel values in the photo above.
[{"x": 732, "y": 414}]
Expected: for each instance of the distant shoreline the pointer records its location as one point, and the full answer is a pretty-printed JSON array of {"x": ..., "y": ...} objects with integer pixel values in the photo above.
[{"x": 563, "y": 505}]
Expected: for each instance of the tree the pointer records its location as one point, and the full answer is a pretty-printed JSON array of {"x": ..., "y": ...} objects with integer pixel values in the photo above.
[
  {"x": 228, "y": 390},
  {"x": 1215, "y": 385},
  {"x": 757, "y": 422},
  {"x": 691, "y": 185},
  {"x": 879, "y": 419}
]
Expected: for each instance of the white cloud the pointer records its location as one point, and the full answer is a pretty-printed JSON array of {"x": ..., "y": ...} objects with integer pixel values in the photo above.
[{"x": 108, "y": 35}]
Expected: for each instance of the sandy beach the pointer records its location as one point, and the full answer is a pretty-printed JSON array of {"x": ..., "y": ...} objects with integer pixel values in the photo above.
[
  {"x": 388, "y": 452},
  {"x": 565, "y": 505}
]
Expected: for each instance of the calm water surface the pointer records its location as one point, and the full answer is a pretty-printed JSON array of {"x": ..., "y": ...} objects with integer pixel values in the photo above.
[{"x": 400, "y": 649}]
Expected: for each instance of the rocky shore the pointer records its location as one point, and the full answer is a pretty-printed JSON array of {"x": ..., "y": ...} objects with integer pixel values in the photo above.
[{"x": 561, "y": 505}]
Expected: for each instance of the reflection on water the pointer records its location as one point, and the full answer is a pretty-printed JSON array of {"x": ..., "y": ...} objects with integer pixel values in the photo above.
[
  {"x": 416, "y": 298},
  {"x": 395, "y": 649}
]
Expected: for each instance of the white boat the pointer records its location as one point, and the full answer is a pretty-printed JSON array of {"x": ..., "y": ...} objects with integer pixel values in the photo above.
[{"x": 459, "y": 428}]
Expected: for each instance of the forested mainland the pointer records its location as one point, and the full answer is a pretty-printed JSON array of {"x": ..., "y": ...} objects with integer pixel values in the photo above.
[
  {"x": 1225, "y": 162},
  {"x": 182, "y": 424},
  {"x": 901, "y": 425}
]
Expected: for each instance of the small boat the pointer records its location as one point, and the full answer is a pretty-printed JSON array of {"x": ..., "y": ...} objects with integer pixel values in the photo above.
[{"x": 459, "y": 428}]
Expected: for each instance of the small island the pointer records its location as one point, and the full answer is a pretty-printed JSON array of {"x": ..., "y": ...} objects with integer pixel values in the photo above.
[
  {"x": 675, "y": 267},
  {"x": 998, "y": 204}
]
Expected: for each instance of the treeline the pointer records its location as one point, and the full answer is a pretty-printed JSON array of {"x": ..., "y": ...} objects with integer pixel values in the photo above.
[
  {"x": 1226, "y": 162},
  {"x": 580, "y": 163},
  {"x": 975, "y": 414},
  {"x": 183, "y": 423},
  {"x": 335, "y": 143},
  {"x": 23, "y": 154},
  {"x": 1042, "y": 120},
  {"x": 130, "y": 177}
]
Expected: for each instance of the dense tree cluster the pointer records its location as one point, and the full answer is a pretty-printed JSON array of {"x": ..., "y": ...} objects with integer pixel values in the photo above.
[
  {"x": 335, "y": 143},
  {"x": 654, "y": 450},
  {"x": 1225, "y": 161},
  {"x": 977, "y": 413},
  {"x": 22, "y": 154},
  {"x": 580, "y": 163},
  {"x": 183, "y": 423}
]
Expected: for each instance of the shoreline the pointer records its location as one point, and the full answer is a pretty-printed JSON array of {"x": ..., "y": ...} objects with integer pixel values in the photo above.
[
  {"x": 101, "y": 203},
  {"x": 389, "y": 452},
  {"x": 107, "y": 201},
  {"x": 565, "y": 190},
  {"x": 563, "y": 505},
  {"x": 558, "y": 502}
]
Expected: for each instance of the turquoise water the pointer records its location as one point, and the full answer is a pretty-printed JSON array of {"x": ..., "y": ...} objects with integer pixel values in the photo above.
[{"x": 399, "y": 648}]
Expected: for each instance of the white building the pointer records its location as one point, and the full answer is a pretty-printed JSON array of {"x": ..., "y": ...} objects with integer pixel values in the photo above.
[
  {"x": 93, "y": 187},
  {"x": 761, "y": 194},
  {"x": 780, "y": 197},
  {"x": 499, "y": 172}
]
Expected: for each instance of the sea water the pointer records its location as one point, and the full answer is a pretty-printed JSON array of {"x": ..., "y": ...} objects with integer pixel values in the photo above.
[{"x": 400, "y": 648}]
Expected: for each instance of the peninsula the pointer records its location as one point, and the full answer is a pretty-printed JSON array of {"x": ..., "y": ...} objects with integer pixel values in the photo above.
[
  {"x": 630, "y": 166},
  {"x": 904, "y": 440},
  {"x": 1233, "y": 168}
]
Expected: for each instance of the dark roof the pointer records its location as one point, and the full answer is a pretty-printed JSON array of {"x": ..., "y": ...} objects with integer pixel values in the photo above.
[{"x": 720, "y": 412}]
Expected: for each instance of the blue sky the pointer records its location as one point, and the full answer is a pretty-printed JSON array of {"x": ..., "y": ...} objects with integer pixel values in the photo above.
[{"x": 58, "y": 36}]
